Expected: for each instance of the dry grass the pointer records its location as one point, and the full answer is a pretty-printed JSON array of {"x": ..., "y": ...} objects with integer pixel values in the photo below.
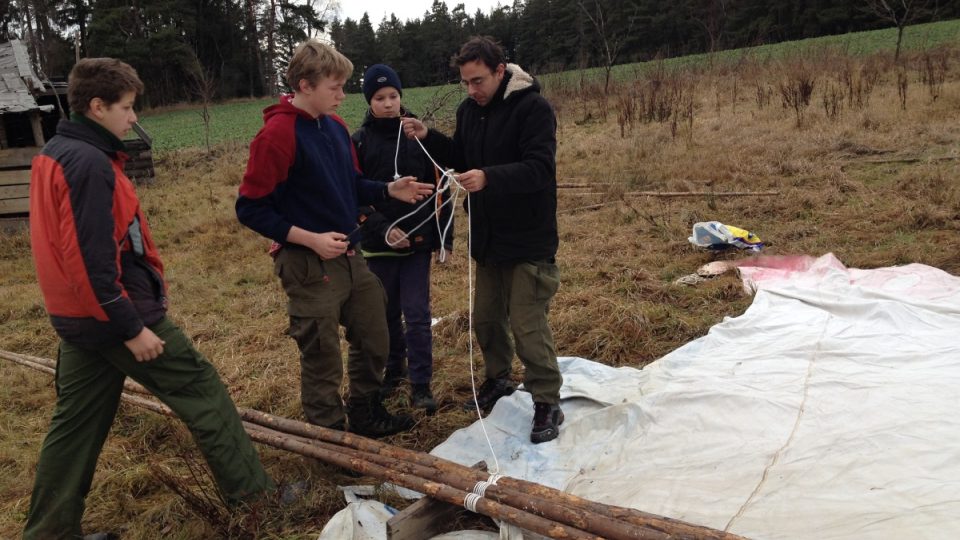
[{"x": 617, "y": 304}]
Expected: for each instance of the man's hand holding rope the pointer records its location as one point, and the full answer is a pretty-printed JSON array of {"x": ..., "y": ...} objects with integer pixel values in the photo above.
[{"x": 473, "y": 180}]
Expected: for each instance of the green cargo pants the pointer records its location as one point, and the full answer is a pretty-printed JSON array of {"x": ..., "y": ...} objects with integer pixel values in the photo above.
[
  {"x": 323, "y": 295},
  {"x": 89, "y": 383},
  {"x": 514, "y": 299}
]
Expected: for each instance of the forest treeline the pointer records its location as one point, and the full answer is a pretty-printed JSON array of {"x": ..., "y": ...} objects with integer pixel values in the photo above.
[{"x": 194, "y": 49}]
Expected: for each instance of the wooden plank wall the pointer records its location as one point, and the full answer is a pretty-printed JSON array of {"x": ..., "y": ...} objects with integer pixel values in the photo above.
[
  {"x": 139, "y": 167},
  {"x": 15, "y": 180},
  {"x": 15, "y": 174}
]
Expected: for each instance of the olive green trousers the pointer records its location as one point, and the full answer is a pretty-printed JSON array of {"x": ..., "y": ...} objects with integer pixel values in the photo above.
[
  {"x": 89, "y": 383},
  {"x": 512, "y": 300}
]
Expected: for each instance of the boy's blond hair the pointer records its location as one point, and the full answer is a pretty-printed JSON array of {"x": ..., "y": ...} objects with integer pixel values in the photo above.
[{"x": 314, "y": 60}]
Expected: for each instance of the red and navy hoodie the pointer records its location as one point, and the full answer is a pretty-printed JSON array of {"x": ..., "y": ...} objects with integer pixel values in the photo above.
[
  {"x": 303, "y": 171},
  {"x": 98, "y": 268}
]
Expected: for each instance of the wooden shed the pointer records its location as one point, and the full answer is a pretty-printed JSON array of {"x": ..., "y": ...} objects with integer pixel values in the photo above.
[
  {"x": 30, "y": 109},
  {"x": 21, "y": 126}
]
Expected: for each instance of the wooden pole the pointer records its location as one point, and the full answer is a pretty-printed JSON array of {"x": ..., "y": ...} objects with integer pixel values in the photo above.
[
  {"x": 535, "y": 505},
  {"x": 672, "y": 194},
  {"x": 633, "y": 516}
]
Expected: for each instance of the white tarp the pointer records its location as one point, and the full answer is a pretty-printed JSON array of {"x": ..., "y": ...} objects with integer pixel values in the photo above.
[{"x": 830, "y": 409}]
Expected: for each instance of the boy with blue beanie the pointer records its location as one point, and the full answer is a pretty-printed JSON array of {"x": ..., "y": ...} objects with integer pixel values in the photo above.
[{"x": 400, "y": 256}]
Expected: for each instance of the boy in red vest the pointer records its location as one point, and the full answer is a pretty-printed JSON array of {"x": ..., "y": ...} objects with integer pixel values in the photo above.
[{"x": 102, "y": 282}]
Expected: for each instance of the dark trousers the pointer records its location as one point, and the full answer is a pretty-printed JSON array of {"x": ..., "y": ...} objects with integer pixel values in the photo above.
[
  {"x": 512, "y": 300},
  {"x": 89, "y": 383},
  {"x": 323, "y": 295},
  {"x": 406, "y": 280}
]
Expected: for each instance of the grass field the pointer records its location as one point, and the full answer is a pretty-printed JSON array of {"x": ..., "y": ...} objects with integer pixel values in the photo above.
[
  {"x": 867, "y": 169},
  {"x": 238, "y": 121}
]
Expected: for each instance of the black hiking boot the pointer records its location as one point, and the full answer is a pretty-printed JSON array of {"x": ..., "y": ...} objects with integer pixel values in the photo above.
[
  {"x": 422, "y": 398},
  {"x": 391, "y": 381},
  {"x": 339, "y": 425},
  {"x": 489, "y": 392},
  {"x": 546, "y": 422},
  {"x": 370, "y": 418}
]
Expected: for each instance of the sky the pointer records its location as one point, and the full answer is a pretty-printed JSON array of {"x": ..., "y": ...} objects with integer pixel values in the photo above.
[{"x": 407, "y": 9}]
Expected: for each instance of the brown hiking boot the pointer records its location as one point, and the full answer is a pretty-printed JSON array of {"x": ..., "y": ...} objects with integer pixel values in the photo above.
[{"x": 546, "y": 422}]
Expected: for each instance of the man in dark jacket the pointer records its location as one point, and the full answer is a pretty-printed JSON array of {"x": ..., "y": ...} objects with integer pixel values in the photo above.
[
  {"x": 505, "y": 141},
  {"x": 102, "y": 283}
]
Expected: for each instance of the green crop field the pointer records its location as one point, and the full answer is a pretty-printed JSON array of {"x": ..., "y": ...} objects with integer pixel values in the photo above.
[{"x": 239, "y": 120}]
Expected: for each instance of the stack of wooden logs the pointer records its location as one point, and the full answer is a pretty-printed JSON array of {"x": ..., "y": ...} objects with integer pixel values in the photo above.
[{"x": 528, "y": 505}]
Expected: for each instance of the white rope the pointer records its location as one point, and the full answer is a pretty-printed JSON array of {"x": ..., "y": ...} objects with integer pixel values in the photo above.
[
  {"x": 446, "y": 180},
  {"x": 396, "y": 154},
  {"x": 451, "y": 180},
  {"x": 479, "y": 490},
  {"x": 470, "y": 502}
]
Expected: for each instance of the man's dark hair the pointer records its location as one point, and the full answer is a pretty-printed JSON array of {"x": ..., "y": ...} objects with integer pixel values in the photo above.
[
  {"x": 105, "y": 78},
  {"x": 483, "y": 48}
]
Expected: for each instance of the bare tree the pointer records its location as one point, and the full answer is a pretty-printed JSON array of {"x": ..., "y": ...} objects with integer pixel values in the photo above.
[
  {"x": 204, "y": 86},
  {"x": 270, "y": 73},
  {"x": 900, "y": 12},
  {"x": 712, "y": 16},
  {"x": 326, "y": 11},
  {"x": 612, "y": 35},
  {"x": 257, "y": 79}
]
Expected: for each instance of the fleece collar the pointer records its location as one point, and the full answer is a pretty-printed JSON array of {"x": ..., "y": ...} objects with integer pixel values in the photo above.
[{"x": 518, "y": 80}]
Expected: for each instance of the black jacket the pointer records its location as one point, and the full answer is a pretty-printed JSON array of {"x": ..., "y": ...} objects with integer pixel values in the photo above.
[
  {"x": 513, "y": 140},
  {"x": 376, "y": 143}
]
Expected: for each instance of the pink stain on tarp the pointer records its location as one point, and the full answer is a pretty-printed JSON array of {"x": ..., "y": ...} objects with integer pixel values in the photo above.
[{"x": 914, "y": 280}]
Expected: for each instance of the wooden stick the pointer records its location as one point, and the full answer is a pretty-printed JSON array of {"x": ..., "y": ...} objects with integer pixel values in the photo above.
[
  {"x": 683, "y": 193},
  {"x": 581, "y": 514},
  {"x": 393, "y": 472},
  {"x": 588, "y": 207},
  {"x": 580, "y": 518},
  {"x": 574, "y": 185},
  {"x": 408, "y": 475},
  {"x": 903, "y": 160},
  {"x": 633, "y": 516},
  {"x": 484, "y": 505}
]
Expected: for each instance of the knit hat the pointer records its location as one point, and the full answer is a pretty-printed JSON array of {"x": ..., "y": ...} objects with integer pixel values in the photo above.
[{"x": 378, "y": 76}]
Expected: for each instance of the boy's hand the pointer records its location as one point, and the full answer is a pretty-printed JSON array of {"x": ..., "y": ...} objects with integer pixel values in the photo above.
[
  {"x": 328, "y": 245},
  {"x": 396, "y": 238},
  {"x": 407, "y": 189},
  {"x": 146, "y": 346},
  {"x": 413, "y": 128},
  {"x": 473, "y": 180}
]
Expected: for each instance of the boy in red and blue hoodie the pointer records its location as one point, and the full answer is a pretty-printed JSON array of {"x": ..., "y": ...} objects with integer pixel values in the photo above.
[{"x": 302, "y": 189}]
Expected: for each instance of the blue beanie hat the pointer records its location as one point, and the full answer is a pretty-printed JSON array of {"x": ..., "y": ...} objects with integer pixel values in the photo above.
[{"x": 378, "y": 76}]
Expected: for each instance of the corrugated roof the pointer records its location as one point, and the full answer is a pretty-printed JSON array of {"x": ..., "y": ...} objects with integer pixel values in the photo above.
[{"x": 17, "y": 79}]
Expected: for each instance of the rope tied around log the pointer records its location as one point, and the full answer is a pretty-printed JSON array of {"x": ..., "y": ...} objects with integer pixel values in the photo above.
[{"x": 479, "y": 490}]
